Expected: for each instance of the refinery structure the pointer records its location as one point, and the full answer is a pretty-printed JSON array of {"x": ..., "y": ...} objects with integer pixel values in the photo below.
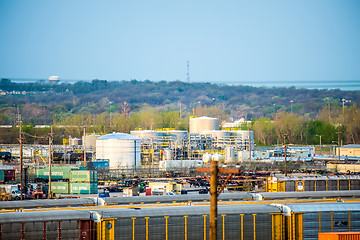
[{"x": 163, "y": 149}]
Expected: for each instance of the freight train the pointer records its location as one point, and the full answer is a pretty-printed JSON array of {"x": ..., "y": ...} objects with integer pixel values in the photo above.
[
  {"x": 6, "y": 156},
  {"x": 171, "y": 199},
  {"x": 242, "y": 221},
  {"x": 313, "y": 183}
]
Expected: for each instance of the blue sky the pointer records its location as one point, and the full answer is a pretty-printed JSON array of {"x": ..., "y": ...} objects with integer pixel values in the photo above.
[{"x": 225, "y": 41}]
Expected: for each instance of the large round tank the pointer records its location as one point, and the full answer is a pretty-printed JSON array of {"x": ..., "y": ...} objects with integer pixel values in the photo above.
[
  {"x": 229, "y": 154},
  {"x": 242, "y": 137},
  {"x": 167, "y": 154},
  {"x": 220, "y": 138},
  {"x": 201, "y": 124},
  {"x": 178, "y": 137},
  {"x": 148, "y": 135},
  {"x": 121, "y": 149},
  {"x": 217, "y": 157},
  {"x": 217, "y": 134},
  {"x": 90, "y": 141},
  {"x": 54, "y": 79},
  {"x": 207, "y": 158}
]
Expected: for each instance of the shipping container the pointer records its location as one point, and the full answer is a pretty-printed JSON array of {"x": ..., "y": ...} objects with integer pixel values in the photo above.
[
  {"x": 339, "y": 236},
  {"x": 2, "y": 176},
  {"x": 60, "y": 187},
  {"x": 102, "y": 165},
  {"x": 83, "y": 188},
  {"x": 9, "y": 175},
  {"x": 57, "y": 173},
  {"x": 86, "y": 176}
]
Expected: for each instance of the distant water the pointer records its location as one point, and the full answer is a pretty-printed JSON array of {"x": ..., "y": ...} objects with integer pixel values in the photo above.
[{"x": 346, "y": 85}]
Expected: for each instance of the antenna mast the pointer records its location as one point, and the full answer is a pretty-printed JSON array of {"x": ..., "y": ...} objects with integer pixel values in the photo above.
[{"x": 188, "y": 72}]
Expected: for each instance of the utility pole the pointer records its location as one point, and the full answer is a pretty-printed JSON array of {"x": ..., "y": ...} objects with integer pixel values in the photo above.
[
  {"x": 338, "y": 133},
  {"x": 50, "y": 160},
  {"x": 249, "y": 148},
  {"x": 213, "y": 200},
  {"x": 21, "y": 157},
  {"x": 84, "y": 148},
  {"x": 285, "y": 136},
  {"x": 214, "y": 193}
]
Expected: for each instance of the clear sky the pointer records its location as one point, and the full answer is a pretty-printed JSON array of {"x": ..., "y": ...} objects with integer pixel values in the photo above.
[{"x": 231, "y": 41}]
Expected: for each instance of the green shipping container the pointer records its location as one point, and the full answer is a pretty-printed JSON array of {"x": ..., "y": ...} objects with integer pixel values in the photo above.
[
  {"x": 2, "y": 176},
  {"x": 60, "y": 187},
  {"x": 86, "y": 176},
  {"x": 83, "y": 188},
  {"x": 57, "y": 173}
]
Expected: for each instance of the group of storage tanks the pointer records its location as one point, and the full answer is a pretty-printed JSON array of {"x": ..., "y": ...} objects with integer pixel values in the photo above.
[{"x": 124, "y": 150}]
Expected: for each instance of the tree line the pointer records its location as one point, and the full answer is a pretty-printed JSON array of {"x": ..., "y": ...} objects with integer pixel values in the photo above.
[
  {"x": 103, "y": 107},
  {"x": 339, "y": 123}
]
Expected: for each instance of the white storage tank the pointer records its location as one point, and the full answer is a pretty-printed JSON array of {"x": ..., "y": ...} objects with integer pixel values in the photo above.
[
  {"x": 217, "y": 134},
  {"x": 201, "y": 124},
  {"x": 121, "y": 149},
  {"x": 217, "y": 157},
  {"x": 148, "y": 135},
  {"x": 229, "y": 154},
  {"x": 179, "y": 164},
  {"x": 90, "y": 141},
  {"x": 177, "y": 137},
  {"x": 207, "y": 158},
  {"x": 243, "y": 136},
  {"x": 167, "y": 154}
]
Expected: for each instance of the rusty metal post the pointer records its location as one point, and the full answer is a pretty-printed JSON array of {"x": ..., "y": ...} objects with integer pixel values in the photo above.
[{"x": 213, "y": 200}]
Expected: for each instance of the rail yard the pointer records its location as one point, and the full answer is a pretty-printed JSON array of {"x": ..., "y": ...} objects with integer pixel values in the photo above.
[{"x": 169, "y": 184}]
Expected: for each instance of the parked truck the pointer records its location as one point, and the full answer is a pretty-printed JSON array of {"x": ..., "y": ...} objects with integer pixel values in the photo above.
[{"x": 11, "y": 191}]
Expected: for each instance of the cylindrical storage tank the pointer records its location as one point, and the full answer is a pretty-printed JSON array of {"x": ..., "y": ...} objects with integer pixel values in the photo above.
[
  {"x": 121, "y": 149},
  {"x": 229, "y": 154},
  {"x": 243, "y": 137},
  {"x": 167, "y": 154},
  {"x": 220, "y": 138},
  {"x": 218, "y": 134},
  {"x": 217, "y": 157},
  {"x": 148, "y": 135},
  {"x": 90, "y": 141},
  {"x": 178, "y": 137},
  {"x": 206, "y": 158},
  {"x": 201, "y": 124}
]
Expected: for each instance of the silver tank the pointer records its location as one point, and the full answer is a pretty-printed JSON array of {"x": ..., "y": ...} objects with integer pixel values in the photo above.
[
  {"x": 177, "y": 137},
  {"x": 90, "y": 141},
  {"x": 201, "y": 124},
  {"x": 148, "y": 135}
]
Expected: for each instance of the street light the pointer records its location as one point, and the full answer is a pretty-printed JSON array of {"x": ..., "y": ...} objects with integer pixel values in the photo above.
[
  {"x": 110, "y": 111},
  {"x": 343, "y": 103},
  {"x": 291, "y": 102},
  {"x": 320, "y": 143}
]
